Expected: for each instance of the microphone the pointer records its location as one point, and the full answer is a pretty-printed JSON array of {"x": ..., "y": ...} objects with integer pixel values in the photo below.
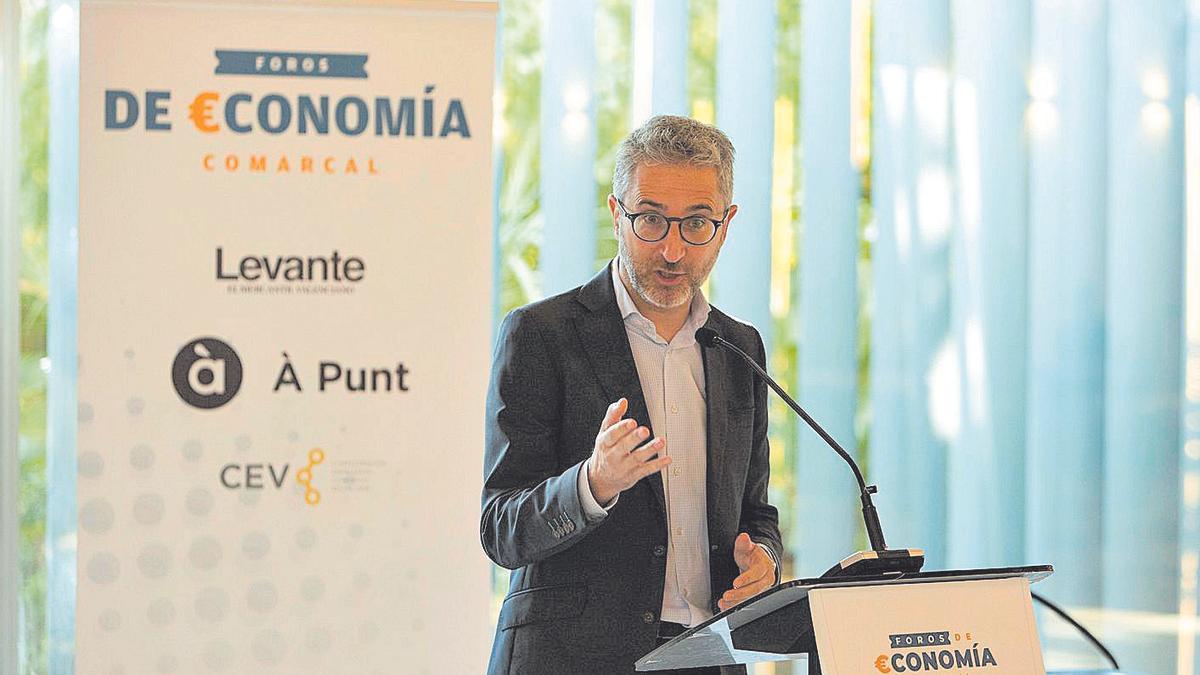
[{"x": 880, "y": 559}]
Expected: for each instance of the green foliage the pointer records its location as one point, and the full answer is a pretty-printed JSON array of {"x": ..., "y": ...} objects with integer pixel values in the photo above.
[
  {"x": 784, "y": 359},
  {"x": 866, "y": 298},
  {"x": 702, "y": 51},
  {"x": 519, "y": 193},
  {"x": 614, "y": 81},
  {"x": 34, "y": 302}
]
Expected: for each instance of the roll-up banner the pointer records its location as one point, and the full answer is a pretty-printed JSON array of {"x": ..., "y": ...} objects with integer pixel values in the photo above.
[{"x": 284, "y": 325}]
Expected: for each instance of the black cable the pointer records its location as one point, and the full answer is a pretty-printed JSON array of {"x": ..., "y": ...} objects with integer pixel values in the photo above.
[{"x": 1078, "y": 626}]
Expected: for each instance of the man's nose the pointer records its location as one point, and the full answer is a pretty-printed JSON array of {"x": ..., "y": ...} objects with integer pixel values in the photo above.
[{"x": 673, "y": 247}]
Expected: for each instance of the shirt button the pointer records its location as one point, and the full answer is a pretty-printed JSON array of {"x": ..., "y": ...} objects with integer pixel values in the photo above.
[
  {"x": 676, "y": 471},
  {"x": 679, "y": 532},
  {"x": 660, "y": 550},
  {"x": 647, "y": 617},
  {"x": 674, "y": 408}
]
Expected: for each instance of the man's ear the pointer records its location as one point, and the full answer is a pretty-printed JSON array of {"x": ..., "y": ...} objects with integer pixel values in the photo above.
[
  {"x": 733, "y": 209},
  {"x": 614, "y": 208}
]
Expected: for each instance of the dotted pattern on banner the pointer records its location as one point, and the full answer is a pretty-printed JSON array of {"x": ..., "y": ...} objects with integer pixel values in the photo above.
[{"x": 207, "y": 569}]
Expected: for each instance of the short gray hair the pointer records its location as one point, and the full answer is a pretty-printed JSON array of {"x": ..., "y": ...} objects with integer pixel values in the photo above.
[{"x": 670, "y": 139}]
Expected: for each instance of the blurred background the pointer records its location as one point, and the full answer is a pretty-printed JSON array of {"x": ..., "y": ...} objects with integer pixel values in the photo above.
[{"x": 969, "y": 232}]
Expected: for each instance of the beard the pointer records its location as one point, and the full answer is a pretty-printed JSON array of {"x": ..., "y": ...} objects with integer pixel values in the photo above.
[{"x": 643, "y": 279}]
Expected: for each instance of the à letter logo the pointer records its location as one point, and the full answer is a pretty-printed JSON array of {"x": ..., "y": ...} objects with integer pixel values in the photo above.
[{"x": 207, "y": 373}]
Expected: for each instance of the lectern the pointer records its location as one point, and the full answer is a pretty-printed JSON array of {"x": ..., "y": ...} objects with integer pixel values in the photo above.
[{"x": 956, "y": 620}]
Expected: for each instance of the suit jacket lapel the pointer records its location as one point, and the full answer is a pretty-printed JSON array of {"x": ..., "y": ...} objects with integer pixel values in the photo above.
[
  {"x": 602, "y": 333},
  {"x": 716, "y": 405}
]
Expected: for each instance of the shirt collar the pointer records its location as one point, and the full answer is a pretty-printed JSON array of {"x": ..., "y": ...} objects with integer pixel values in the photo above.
[{"x": 697, "y": 312}]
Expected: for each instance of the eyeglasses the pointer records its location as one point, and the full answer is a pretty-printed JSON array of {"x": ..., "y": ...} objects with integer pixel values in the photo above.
[{"x": 651, "y": 226}]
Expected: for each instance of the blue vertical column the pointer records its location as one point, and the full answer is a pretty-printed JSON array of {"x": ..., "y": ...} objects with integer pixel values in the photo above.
[
  {"x": 568, "y": 150},
  {"x": 62, "y": 409},
  {"x": 1144, "y": 296},
  {"x": 1189, "y": 526},
  {"x": 913, "y": 396},
  {"x": 988, "y": 306},
  {"x": 746, "y": 112},
  {"x": 1067, "y": 188},
  {"x": 826, "y": 517},
  {"x": 660, "y": 51},
  {"x": 888, "y": 405}
]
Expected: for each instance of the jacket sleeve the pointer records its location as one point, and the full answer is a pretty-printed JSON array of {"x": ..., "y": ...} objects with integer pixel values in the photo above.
[
  {"x": 759, "y": 519},
  {"x": 531, "y": 509}
]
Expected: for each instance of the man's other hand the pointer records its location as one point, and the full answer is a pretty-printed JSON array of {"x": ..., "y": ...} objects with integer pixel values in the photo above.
[
  {"x": 619, "y": 458},
  {"x": 757, "y": 572}
]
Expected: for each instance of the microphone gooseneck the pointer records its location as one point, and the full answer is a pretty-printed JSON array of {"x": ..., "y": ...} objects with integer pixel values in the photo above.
[{"x": 709, "y": 338}]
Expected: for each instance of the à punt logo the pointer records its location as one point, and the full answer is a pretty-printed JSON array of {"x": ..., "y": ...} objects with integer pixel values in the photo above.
[{"x": 207, "y": 373}]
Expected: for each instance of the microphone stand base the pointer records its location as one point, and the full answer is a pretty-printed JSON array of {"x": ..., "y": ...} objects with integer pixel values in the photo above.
[{"x": 876, "y": 563}]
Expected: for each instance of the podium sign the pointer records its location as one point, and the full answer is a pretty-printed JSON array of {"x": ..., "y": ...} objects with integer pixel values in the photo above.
[{"x": 962, "y": 626}]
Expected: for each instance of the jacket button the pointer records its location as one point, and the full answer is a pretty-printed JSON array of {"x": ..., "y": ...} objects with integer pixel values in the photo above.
[
  {"x": 714, "y": 547},
  {"x": 647, "y": 617},
  {"x": 660, "y": 550}
]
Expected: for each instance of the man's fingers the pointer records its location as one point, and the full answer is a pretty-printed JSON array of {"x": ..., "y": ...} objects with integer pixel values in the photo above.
[
  {"x": 651, "y": 467},
  {"x": 735, "y": 595},
  {"x": 730, "y": 599},
  {"x": 748, "y": 577},
  {"x": 614, "y": 413},
  {"x": 757, "y": 567},
  {"x": 743, "y": 551},
  {"x": 755, "y": 574},
  {"x": 743, "y": 546},
  {"x": 738, "y": 593},
  {"x": 613, "y": 435},
  {"x": 647, "y": 451},
  {"x": 631, "y": 441}
]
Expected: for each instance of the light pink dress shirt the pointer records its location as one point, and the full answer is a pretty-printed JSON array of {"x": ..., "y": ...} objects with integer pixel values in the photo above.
[{"x": 672, "y": 379}]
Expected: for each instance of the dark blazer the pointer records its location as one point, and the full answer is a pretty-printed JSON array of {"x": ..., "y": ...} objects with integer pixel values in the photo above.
[{"x": 585, "y": 596}]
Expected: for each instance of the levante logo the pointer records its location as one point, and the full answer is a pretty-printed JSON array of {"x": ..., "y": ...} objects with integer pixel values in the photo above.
[
  {"x": 934, "y": 650},
  {"x": 264, "y": 274},
  {"x": 218, "y": 113}
]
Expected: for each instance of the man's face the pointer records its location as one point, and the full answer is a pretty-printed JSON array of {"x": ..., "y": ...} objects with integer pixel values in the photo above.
[{"x": 667, "y": 273}]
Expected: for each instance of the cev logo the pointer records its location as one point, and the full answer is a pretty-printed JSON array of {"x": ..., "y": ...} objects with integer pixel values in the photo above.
[
  {"x": 304, "y": 476},
  {"x": 235, "y": 476}
]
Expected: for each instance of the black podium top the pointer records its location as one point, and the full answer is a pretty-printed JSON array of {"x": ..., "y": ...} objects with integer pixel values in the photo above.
[{"x": 776, "y": 625}]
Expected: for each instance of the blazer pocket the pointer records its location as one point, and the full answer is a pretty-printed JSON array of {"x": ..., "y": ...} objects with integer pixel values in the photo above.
[{"x": 543, "y": 603}]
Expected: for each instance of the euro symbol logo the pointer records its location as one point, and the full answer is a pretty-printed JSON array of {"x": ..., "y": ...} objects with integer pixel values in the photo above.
[
  {"x": 881, "y": 664},
  {"x": 201, "y": 112}
]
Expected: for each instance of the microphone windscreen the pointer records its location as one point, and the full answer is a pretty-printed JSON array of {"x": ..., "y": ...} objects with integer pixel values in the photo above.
[{"x": 707, "y": 337}]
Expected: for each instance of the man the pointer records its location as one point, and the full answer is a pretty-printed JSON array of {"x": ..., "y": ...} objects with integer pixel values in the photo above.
[{"x": 620, "y": 537}]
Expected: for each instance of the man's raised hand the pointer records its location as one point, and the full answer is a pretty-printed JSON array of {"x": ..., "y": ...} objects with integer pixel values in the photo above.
[
  {"x": 619, "y": 458},
  {"x": 757, "y": 572}
]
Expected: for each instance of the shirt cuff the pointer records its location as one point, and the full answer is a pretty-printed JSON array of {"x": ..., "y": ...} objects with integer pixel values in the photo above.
[
  {"x": 591, "y": 508},
  {"x": 771, "y": 554}
]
